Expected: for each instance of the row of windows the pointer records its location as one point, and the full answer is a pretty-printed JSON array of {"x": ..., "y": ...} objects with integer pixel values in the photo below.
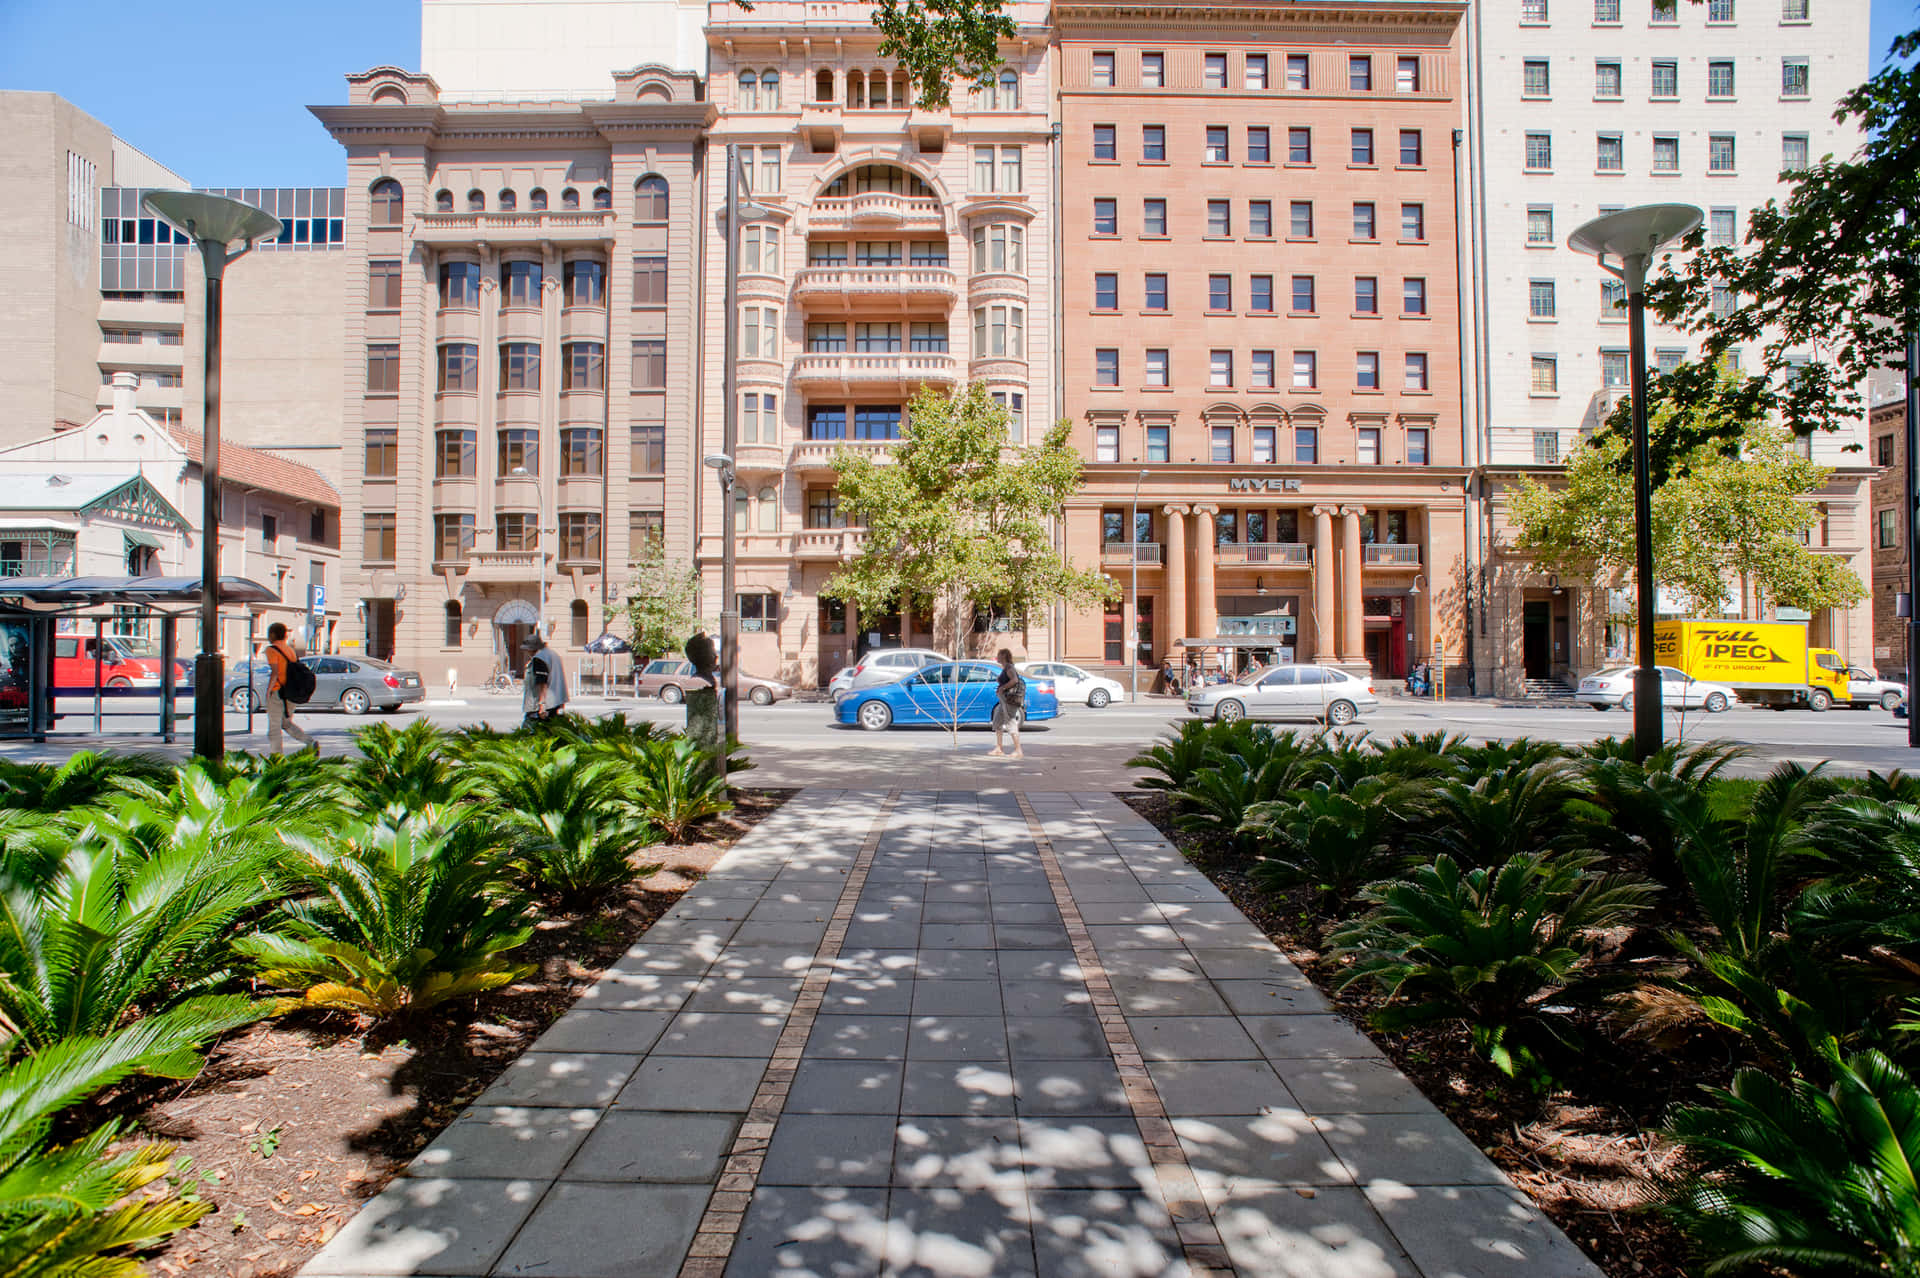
[
  {"x": 1217, "y": 145},
  {"x": 1609, "y": 81},
  {"x": 1260, "y": 526},
  {"x": 1263, "y": 446},
  {"x": 1722, "y": 224},
  {"x": 1365, "y": 223},
  {"x": 1156, "y": 369},
  {"x": 582, "y": 365},
  {"x": 1301, "y": 295},
  {"x": 456, "y": 452},
  {"x": 162, "y": 380},
  {"x": 832, "y": 336},
  {"x": 137, "y": 336},
  {"x": 389, "y": 201},
  {"x": 583, "y": 283},
  {"x": 1544, "y": 369},
  {"x": 1256, "y": 71},
  {"x": 453, "y": 536},
  {"x": 1610, "y": 152},
  {"x": 1663, "y": 12}
]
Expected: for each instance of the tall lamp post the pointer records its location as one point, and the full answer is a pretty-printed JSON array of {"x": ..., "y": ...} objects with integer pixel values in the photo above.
[
  {"x": 212, "y": 222},
  {"x": 539, "y": 545},
  {"x": 1634, "y": 236},
  {"x": 722, "y": 463},
  {"x": 1133, "y": 591}
]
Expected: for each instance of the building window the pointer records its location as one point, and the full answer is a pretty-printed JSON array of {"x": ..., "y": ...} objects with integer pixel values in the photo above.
[
  {"x": 580, "y": 541},
  {"x": 570, "y": 200},
  {"x": 1667, "y": 359},
  {"x": 1416, "y": 379},
  {"x": 1306, "y": 370},
  {"x": 1793, "y": 10},
  {"x": 1219, "y": 292},
  {"x": 383, "y": 286},
  {"x": 1540, "y": 300},
  {"x": 1793, "y": 78},
  {"x": 1306, "y": 445},
  {"x": 1886, "y": 529},
  {"x": 1721, "y": 300},
  {"x": 1300, "y": 219},
  {"x": 1883, "y": 450},
  {"x": 1260, "y": 219},
  {"x": 1367, "y": 370},
  {"x": 647, "y": 447},
  {"x": 1153, "y": 142},
  {"x": 1159, "y": 368},
  {"x": 1719, "y": 10},
  {"x": 1793, "y": 152},
  {"x": 1406, "y": 75},
  {"x": 650, "y": 199},
  {"x": 1216, "y": 145},
  {"x": 1299, "y": 75},
  {"x": 581, "y": 450},
  {"x": 1417, "y": 446},
  {"x": 1153, "y": 70},
  {"x": 1719, "y": 79},
  {"x": 1263, "y": 455},
  {"x": 1220, "y": 368},
  {"x": 650, "y": 364},
  {"x": 1613, "y": 369},
  {"x": 1546, "y": 448},
  {"x": 1606, "y": 11},
  {"x": 759, "y": 333},
  {"x": 1366, "y": 295},
  {"x": 1413, "y": 222},
  {"x": 382, "y": 452},
  {"x": 1613, "y": 300},
  {"x": 1666, "y": 153},
  {"x": 383, "y": 368},
  {"x": 1302, "y": 299},
  {"x": 520, "y": 283},
  {"x": 1220, "y": 449},
  {"x": 1103, "y": 70},
  {"x": 1106, "y": 444},
  {"x": 1360, "y": 149},
  {"x": 1610, "y": 154},
  {"x": 1666, "y": 79},
  {"x": 1159, "y": 443},
  {"x": 1545, "y": 376},
  {"x": 1106, "y": 217},
  {"x": 999, "y": 332},
  {"x": 823, "y": 511},
  {"x": 1720, "y": 226},
  {"x": 1363, "y": 221},
  {"x": 519, "y": 366},
  {"x": 1260, "y": 294},
  {"x": 1666, "y": 11},
  {"x": 1533, "y": 10},
  {"x": 1259, "y": 145},
  {"x": 1607, "y": 80},
  {"x": 1535, "y": 78},
  {"x": 1539, "y": 152},
  {"x": 649, "y": 281},
  {"x": 584, "y": 365},
  {"x": 1215, "y": 71},
  {"x": 452, "y": 541},
  {"x": 519, "y": 449},
  {"x": 1540, "y": 224},
  {"x": 1359, "y": 73},
  {"x": 999, "y": 247},
  {"x": 927, "y": 336},
  {"x": 876, "y": 338},
  {"x": 1106, "y": 291},
  {"x": 455, "y": 454},
  {"x": 1156, "y": 292},
  {"x": 389, "y": 204},
  {"x": 1153, "y": 215},
  {"x": 1104, "y": 145},
  {"x": 1720, "y": 153},
  {"x": 1299, "y": 146},
  {"x": 380, "y": 543},
  {"x": 585, "y": 284},
  {"x": 759, "y": 250},
  {"x": 1367, "y": 446},
  {"x": 996, "y": 169},
  {"x": 1219, "y": 218},
  {"x": 459, "y": 285},
  {"x": 826, "y": 421},
  {"x": 451, "y": 639},
  {"x": 1260, "y": 370},
  {"x": 515, "y": 532},
  {"x": 1410, "y": 151},
  {"x": 1106, "y": 366},
  {"x": 476, "y": 201},
  {"x": 507, "y": 201}
]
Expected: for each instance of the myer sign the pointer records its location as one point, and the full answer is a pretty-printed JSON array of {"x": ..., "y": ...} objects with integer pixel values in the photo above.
[{"x": 1244, "y": 484}]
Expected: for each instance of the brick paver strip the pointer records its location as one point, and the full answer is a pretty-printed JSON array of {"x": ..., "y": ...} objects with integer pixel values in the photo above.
[
  {"x": 1179, "y": 1188},
  {"x": 713, "y": 1241}
]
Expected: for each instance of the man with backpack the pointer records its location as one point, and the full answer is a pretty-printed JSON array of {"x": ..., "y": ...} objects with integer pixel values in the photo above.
[
  {"x": 291, "y": 684},
  {"x": 544, "y": 689}
]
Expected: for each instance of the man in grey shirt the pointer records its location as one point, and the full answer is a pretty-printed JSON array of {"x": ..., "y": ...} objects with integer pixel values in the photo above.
[{"x": 544, "y": 691}]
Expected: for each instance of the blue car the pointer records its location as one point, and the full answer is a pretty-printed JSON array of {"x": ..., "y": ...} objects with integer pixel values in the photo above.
[{"x": 963, "y": 691}]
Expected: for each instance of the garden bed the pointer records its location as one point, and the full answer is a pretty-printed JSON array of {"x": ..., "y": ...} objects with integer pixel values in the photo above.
[{"x": 296, "y": 1121}]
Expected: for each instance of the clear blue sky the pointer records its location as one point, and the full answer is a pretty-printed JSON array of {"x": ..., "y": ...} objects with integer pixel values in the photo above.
[{"x": 219, "y": 91}]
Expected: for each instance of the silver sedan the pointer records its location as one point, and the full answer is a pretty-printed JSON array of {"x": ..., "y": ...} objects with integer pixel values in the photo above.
[
  {"x": 1287, "y": 692},
  {"x": 1605, "y": 689}
]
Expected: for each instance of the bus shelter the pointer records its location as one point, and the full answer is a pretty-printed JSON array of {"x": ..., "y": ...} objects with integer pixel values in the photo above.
[{"x": 70, "y": 644}]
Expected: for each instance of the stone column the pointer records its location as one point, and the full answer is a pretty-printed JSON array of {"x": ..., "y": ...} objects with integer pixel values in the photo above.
[
  {"x": 1174, "y": 558},
  {"x": 1353, "y": 642},
  {"x": 1201, "y": 603},
  {"x": 1323, "y": 571}
]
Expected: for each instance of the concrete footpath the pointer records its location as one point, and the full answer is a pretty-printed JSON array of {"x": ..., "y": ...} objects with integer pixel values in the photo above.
[{"x": 952, "y": 1034}]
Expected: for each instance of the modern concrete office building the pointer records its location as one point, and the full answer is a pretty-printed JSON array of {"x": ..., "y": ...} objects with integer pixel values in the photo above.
[
  {"x": 1578, "y": 107},
  {"x": 1261, "y": 332}
]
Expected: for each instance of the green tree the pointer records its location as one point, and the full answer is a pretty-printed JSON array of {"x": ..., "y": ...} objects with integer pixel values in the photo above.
[
  {"x": 662, "y": 604},
  {"x": 1828, "y": 276},
  {"x": 956, "y": 518},
  {"x": 939, "y": 41},
  {"x": 1719, "y": 521}
]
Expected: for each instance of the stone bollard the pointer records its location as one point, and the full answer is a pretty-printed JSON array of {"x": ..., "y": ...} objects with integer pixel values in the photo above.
[{"x": 704, "y": 725}]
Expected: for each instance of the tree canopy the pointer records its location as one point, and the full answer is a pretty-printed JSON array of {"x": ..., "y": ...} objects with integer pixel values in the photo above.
[
  {"x": 939, "y": 41},
  {"x": 661, "y": 606},
  {"x": 959, "y": 518}
]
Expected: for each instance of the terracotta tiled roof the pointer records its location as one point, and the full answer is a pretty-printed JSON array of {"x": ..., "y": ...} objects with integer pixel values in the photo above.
[{"x": 264, "y": 471}]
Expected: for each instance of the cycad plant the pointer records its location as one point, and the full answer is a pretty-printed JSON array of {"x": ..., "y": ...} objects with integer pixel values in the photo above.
[
  {"x": 411, "y": 767},
  {"x": 405, "y": 912},
  {"x": 1492, "y": 817},
  {"x": 573, "y": 813},
  {"x": 86, "y": 777},
  {"x": 1330, "y": 841},
  {"x": 1172, "y": 761},
  {"x": 1502, "y": 948},
  {"x": 671, "y": 787},
  {"x": 1785, "y": 1175}
]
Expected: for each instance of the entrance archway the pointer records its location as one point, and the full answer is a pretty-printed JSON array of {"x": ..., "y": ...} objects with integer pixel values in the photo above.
[{"x": 513, "y": 621}]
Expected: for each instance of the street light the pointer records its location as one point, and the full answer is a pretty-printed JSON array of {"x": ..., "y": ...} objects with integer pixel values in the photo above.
[
  {"x": 539, "y": 547},
  {"x": 722, "y": 463},
  {"x": 1633, "y": 236},
  {"x": 1133, "y": 603},
  {"x": 212, "y": 222}
]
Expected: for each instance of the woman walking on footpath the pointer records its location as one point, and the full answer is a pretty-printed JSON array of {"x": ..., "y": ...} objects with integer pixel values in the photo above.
[{"x": 1009, "y": 707}]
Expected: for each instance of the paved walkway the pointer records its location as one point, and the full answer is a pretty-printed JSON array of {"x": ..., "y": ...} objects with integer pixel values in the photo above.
[{"x": 960, "y": 1035}]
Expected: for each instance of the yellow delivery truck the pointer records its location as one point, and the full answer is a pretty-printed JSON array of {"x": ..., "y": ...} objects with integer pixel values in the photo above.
[{"x": 1767, "y": 662}]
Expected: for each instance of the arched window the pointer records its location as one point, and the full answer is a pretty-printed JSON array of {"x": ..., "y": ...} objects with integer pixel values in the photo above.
[
  {"x": 580, "y": 635},
  {"x": 770, "y": 90},
  {"x": 443, "y": 201},
  {"x": 901, "y": 84},
  {"x": 537, "y": 199},
  {"x": 476, "y": 201},
  {"x": 453, "y": 624},
  {"x": 389, "y": 95},
  {"x": 823, "y": 85},
  {"x": 878, "y": 177},
  {"x": 748, "y": 98},
  {"x": 650, "y": 199},
  {"x": 508, "y": 201},
  {"x": 769, "y": 510},
  {"x": 569, "y": 199},
  {"x": 388, "y": 202},
  {"x": 1009, "y": 90},
  {"x": 856, "y": 90},
  {"x": 602, "y": 198}
]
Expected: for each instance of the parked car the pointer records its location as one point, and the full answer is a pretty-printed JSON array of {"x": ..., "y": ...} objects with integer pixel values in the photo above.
[
  {"x": 671, "y": 680},
  {"x": 1072, "y": 684},
  {"x": 1605, "y": 689},
  {"x": 962, "y": 692},
  {"x": 1287, "y": 692},
  {"x": 883, "y": 665},
  {"x": 1865, "y": 689},
  {"x": 353, "y": 684}
]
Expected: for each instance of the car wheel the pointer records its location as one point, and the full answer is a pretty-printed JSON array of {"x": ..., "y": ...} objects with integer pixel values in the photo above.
[
  {"x": 875, "y": 716},
  {"x": 1716, "y": 702},
  {"x": 1819, "y": 701},
  {"x": 672, "y": 694},
  {"x": 1626, "y": 703},
  {"x": 1889, "y": 700},
  {"x": 242, "y": 700},
  {"x": 120, "y": 684},
  {"x": 1098, "y": 698},
  {"x": 355, "y": 701},
  {"x": 1601, "y": 707},
  {"x": 1229, "y": 711},
  {"x": 1341, "y": 713},
  {"x": 761, "y": 696}
]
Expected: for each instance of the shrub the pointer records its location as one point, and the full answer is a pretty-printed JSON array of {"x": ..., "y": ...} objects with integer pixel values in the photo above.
[
  {"x": 406, "y": 913},
  {"x": 1330, "y": 841},
  {"x": 1491, "y": 947},
  {"x": 573, "y": 818},
  {"x": 1806, "y": 1179},
  {"x": 411, "y": 767},
  {"x": 85, "y": 778},
  {"x": 1490, "y": 819},
  {"x": 672, "y": 788},
  {"x": 1173, "y": 761}
]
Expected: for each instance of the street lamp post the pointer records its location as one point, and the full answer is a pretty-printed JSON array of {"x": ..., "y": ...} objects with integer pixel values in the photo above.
[
  {"x": 1633, "y": 236},
  {"x": 539, "y": 546},
  {"x": 212, "y": 222},
  {"x": 729, "y": 615},
  {"x": 1133, "y": 600}
]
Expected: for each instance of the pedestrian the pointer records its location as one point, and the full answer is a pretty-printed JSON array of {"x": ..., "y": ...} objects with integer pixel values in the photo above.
[
  {"x": 1169, "y": 678},
  {"x": 453, "y": 681},
  {"x": 1009, "y": 707},
  {"x": 544, "y": 687},
  {"x": 280, "y": 655}
]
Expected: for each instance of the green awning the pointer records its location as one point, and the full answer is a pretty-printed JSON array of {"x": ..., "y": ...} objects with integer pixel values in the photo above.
[{"x": 141, "y": 539}]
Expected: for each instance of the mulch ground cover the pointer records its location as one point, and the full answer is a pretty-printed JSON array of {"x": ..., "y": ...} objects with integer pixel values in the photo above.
[
  {"x": 297, "y": 1121},
  {"x": 1585, "y": 1151}
]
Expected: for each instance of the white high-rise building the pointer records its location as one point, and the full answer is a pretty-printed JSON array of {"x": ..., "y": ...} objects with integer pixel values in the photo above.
[
  {"x": 554, "y": 50},
  {"x": 1577, "y": 108}
]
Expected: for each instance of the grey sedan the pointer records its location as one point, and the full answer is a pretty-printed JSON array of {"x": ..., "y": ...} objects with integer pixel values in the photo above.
[{"x": 353, "y": 684}]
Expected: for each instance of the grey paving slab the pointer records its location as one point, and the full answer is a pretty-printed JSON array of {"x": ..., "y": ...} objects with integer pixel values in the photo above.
[
  {"x": 974, "y": 1153},
  {"x": 1040, "y": 965},
  {"x": 504, "y": 1142},
  {"x": 586, "y": 1030},
  {"x": 1044, "y": 998},
  {"x": 1103, "y": 1233},
  {"x": 1305, "y": 1037},
  {"x": 1264, "y": 997},
  {"x": 957, "y": 1088},
  {"x": 639, "y": 992},
  {"x": 1354, "y": 1087},
  {"x": 566, "y": 1079},
  {"x": 937, "y": 997},
  {"x": 818, "y": 1232},
  {"x": 830, "y": 1149},
  {"x": 861, "y": 996},
  {"x": 606, "y": 1231},
  {"x": 721, "y": 1034},
  {"x": 957, "y": 1038},
  {"x": 1280, "y": 1233},
  {"x": 1218, "y": 1087},
  {"x": 1067, "y": 1033},
  {"x": 651, "y": 1145},
  {"x": 944, "y": 1231},
  {"x": 956, "y": 936},
  {"x": 845, "y": 1087},
  {"x": 1192, "y": 1038},
  {"x": 1056, "y": 1087},
  {"x": 793, "y": 961},
  {"x": 697, "y": 1083},
  {"x": 1240, "y": 1153},
  {"x": 1085, "y": 1152},
  {"x": 770, "y": 995},
  {"x": 429, "y": 1225},
  {"x": 959, "y": 965},
  {"x": 858, "y": 1038},
  {"x": 1407, "y": 1149},
  {"x": 1474, "y": 1232}
]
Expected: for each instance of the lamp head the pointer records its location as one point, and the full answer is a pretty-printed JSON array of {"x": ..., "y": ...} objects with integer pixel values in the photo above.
[
  {"x": 1414, "y": 589},
  {"x": 718, "y": 461},
  {"x": 522, "y": 472},
  {"x": 212, "y": 218},
  {"x": 1634, "y": 232}
]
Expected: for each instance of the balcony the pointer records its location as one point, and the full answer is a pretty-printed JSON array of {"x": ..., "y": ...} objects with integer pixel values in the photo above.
[
  {"x": 1121, "y": 552},
  {"x": 817, "y": 455},
  {"x": 759, "y": 459},
  {"x": 828, "y": 543},
  {"x": 1284, "y": 554},
  {"x": 505, "y": 567},
  {"x": 821, "y": 125},
  {"x": 857, "y": 374},
  {"x": 876, "y": 211},
  {"x": 1391, "y": 556},
  {"x": 866, "y": 288},
  {"x": 564, "y": 226}
]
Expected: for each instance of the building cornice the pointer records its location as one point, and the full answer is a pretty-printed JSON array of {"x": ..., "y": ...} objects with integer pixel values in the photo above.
[
  {"x": 503, "y": 126},
  {"x": 1442, "y": 14}
]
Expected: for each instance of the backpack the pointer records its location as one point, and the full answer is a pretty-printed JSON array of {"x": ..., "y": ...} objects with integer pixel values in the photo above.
[{"x": 299, "y": 683}]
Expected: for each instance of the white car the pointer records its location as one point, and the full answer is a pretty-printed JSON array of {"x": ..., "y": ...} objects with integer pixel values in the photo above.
[
  {"x": 1605, "y": 689},
  {"x": 882, "y": 665},
  {"x": 1866, "y": 689},
  {"x": 1071, "y": 683},
  {"x": 1287, "y": 692}
]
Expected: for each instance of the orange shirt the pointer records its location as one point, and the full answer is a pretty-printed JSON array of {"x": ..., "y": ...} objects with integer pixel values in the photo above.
[{"x": 278, "y": 657}]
